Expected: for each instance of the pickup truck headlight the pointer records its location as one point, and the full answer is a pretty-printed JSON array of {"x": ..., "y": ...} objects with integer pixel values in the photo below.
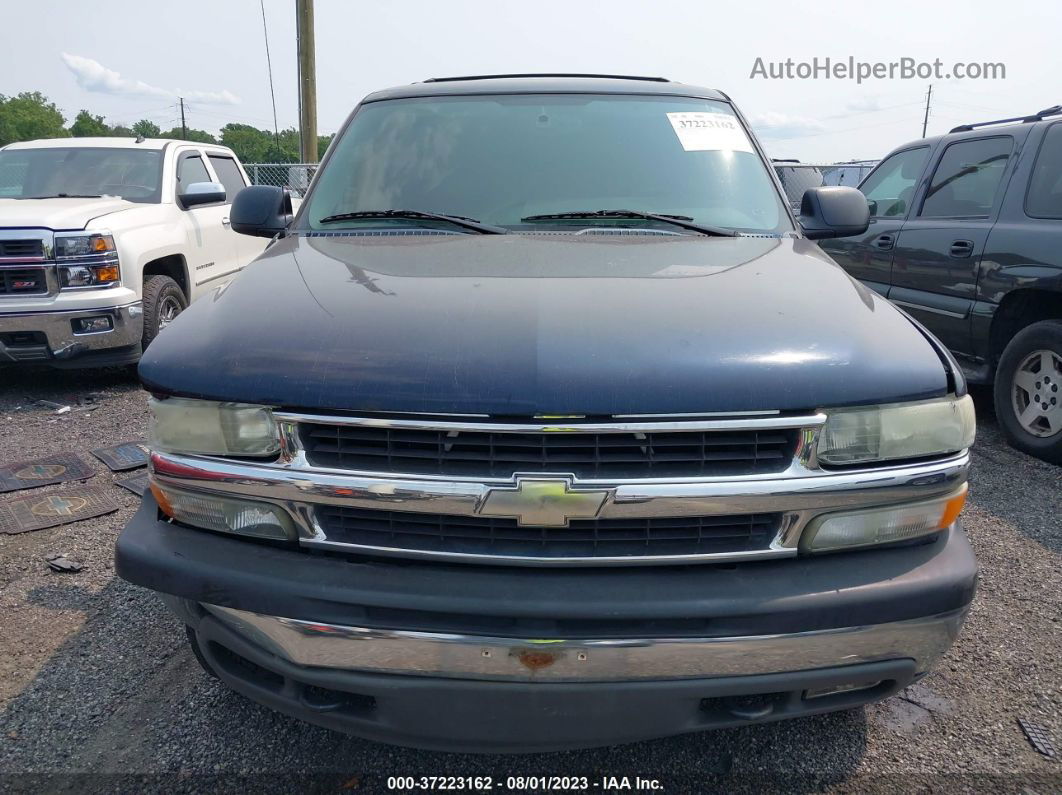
[
  {"x": 897, "y": 431},
  {"x": 204, "y": 427},
  {"x": 86, "y": 261}
]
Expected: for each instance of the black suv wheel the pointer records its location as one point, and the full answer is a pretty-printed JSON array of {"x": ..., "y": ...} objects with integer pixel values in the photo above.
[
  {"x": 163, "y": 301},
  {"x": 1028, "y": 390}
]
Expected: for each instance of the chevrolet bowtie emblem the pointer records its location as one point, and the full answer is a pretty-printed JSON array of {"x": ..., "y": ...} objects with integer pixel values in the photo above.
[{"x": 543, "y": 502}]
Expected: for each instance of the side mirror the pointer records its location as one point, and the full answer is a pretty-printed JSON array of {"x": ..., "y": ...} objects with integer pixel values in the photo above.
[
  {"x": 261, "y": 211},
  {"x": 202, "y": 193},
  {"x": 833, "y": 211}
]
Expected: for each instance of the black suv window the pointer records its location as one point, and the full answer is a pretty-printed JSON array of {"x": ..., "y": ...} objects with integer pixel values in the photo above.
[
  {"x": 229, "y": 174},
  {"x": 1044, "y": 199},
  {"x": 892, "y": 185},
  {"x": 966, "y": 178}
]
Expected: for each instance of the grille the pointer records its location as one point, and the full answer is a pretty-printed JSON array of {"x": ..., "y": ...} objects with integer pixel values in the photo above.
[
  {"x": 21, "y": 248},
  {"x": 584, "y": 538},
  {"x": 587, "y": 455},
  {"x": 28, "y": 281}
]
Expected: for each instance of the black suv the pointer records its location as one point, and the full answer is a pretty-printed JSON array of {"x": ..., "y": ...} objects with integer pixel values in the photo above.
[
  {"x": 966, "y": 235},
  {"x": 543, "y": 425}
]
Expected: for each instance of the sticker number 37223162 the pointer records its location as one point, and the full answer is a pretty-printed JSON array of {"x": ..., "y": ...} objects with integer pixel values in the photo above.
[{"x": 699, "y": 131}]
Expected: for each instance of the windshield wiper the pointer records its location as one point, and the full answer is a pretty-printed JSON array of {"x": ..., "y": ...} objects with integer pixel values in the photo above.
[
  {"x": 456, "y": 220},
  {"x": 67, "y": 196},
  {"x": 683, "y": 221}
]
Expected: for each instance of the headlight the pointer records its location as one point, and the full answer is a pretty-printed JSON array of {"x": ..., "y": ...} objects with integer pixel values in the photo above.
[
  {"x": 897, "y": 431},
  {"x": 86, "y": 261},
  {"x": 179, "y": 425},
  {"x": 224, "y": 514},
  {"x": 888, "y": 525}
]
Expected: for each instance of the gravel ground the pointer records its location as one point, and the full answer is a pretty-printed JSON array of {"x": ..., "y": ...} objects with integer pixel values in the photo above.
[{"x": 99, "y": 692}]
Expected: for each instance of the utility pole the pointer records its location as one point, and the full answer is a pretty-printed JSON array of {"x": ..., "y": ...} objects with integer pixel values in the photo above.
[
  {"x": 307, "y": 81},
  {"x": 184, "y": 127},
  {"x": 925, "y": 119}
]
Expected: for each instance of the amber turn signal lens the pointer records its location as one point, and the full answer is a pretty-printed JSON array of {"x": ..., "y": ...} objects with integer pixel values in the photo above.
[
  {"x": 953, "y": 507},
  {"x": 106, "y": 273},
  {"x": 101, "y": 244},
  {"x": 161, "y": 499}
]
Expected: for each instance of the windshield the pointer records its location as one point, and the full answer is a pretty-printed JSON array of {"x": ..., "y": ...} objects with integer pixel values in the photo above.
[
  {"x": 132, "y": 174},
  {"x": 501, "y": 159}
]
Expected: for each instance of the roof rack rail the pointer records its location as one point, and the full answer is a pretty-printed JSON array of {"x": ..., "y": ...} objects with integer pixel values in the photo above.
[
  {"x": 1054, "y": 110},
  {"x": 545, "y": 74}
]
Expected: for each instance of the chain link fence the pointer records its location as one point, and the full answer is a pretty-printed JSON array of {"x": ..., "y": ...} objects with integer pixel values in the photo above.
[{"x": 293, "y": 176}]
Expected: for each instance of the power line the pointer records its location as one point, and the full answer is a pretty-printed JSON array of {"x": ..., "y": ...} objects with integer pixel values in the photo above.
[
  {"x": 925, "y": 119},
  {"x": 224, "y": 115},
  {"x": 269, "y": 65}
]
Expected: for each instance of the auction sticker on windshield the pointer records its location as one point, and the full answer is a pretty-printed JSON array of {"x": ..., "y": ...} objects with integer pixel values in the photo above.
[{"x": 699, "y": 131}]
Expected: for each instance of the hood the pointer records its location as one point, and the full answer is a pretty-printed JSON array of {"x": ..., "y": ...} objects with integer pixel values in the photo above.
[
  {"x": 57, "y": 214},
  {"x": 544, "y": 324}
]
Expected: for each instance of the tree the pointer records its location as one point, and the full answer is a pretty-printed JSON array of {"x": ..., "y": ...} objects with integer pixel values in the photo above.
[
  {"x": 86, "y": 125},
  {"x": 29, "y": 116},
  {"x": 252, "y": 145},
  {"x": 199, "y": 136},
  {"x": 147, "y": 128}
]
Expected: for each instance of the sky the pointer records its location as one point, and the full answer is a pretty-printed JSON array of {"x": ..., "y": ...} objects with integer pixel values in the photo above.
[{"x": 131, "y": 60}]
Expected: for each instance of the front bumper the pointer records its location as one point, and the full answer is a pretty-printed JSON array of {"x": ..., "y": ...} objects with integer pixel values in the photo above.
[
  {"x": 518, "y": 659},
  {"x": 48, "y": 337}
]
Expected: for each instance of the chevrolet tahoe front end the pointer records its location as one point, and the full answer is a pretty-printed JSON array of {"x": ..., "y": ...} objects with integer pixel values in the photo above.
[{"x": 553, "y": 479}]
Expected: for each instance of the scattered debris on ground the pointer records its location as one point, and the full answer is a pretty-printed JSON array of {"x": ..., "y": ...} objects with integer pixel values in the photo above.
[
  {"x": 62, "y": 563},
  {"x": 48, "y": 471},
  {"x": 1038, "y": 736},
  {"x": 50, "y": 404},
  {"x": 40, "y": 511}
]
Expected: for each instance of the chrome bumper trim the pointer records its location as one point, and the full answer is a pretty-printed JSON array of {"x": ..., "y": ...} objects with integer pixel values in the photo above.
[
  {"x": 127, "y": 323},
  {"x": 589, "y": 660},
  {"x": 798, "y": 494}
]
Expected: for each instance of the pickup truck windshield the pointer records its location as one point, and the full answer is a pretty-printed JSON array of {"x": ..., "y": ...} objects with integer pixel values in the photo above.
[
  {"x": 503, "y": 158},
  {"x": 132, "y": 174}
]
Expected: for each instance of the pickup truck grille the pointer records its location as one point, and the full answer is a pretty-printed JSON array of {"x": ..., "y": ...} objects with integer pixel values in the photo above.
[
  {"x": 583, "y": 539},
  {"x": 22, "y": 248},
  {"x": 587, "y": 455},
  {"x": 27, "y": 281}
]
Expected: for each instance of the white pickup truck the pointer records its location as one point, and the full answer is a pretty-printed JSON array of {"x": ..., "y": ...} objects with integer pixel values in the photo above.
[{"x": 103, "y": 241}]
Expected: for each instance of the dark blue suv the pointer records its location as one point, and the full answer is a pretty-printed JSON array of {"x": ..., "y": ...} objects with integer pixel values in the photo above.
[{"x": 543, "y": 424}]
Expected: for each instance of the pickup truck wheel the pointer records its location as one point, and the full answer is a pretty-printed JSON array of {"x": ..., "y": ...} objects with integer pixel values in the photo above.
[
  {"x": 1028, "y": 390},
  {"x": 163, "y": 301}
]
